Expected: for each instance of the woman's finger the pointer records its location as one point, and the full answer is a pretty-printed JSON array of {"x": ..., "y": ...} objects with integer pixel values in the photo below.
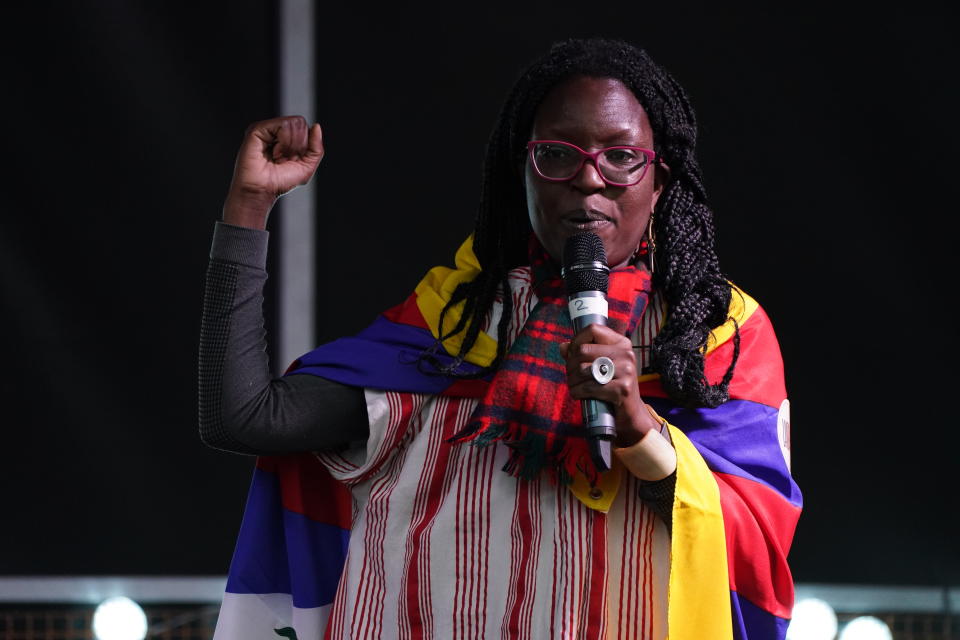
[
  {"x": 314, "y": 152},
  {"x": 616, "y": 392},
  {"x": 624, "y": 366},
  {"x": 577, "y": 356},
  {"x": 598, "y": 334},
  {"x": 284, "y": 149}
]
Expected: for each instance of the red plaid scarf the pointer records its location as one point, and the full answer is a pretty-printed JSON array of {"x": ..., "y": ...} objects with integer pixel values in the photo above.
[{"x": 528, "y": 403}]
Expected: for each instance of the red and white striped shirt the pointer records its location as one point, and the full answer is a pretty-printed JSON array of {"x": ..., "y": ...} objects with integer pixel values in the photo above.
[{"x": 444, "y": 544}]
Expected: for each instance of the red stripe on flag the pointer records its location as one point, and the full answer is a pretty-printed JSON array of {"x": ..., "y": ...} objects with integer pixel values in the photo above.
[
  {"x": 467, "y": 389},
  {"x": 758, "y": 375},
  {"x": 407, "y": 312},
  {"x": 307, "y": 488},
  {"x": 652, "y": 389},
  {"x": 759, "y": 526}
]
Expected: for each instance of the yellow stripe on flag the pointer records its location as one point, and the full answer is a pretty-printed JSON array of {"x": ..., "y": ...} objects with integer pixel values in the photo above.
[
  {"x": 699, "y": 592},
  {"x": 741, "y": 308},
  {"x": 436, "y": 289}
]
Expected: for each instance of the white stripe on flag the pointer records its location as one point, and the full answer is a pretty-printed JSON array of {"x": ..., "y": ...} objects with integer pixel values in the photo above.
[{"x": 253, "y": 616}]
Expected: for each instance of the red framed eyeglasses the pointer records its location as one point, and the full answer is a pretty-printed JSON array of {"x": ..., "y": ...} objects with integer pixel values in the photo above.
[{"x": 620, "y": 166}]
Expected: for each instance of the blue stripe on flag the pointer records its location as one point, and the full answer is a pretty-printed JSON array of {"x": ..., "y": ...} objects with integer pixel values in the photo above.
[
  {"x": 739, "y": 437},
  {"x": 279, "y": 551},
  {"x": 385, "y": 355},
  {"x": 751, "y": 622}
]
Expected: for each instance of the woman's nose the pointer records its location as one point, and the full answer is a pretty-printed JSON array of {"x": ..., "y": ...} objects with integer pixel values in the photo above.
[{"x": 588, "y": 178}]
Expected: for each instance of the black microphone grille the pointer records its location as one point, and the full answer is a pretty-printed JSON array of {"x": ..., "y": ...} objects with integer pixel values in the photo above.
[
  {"x": 583, "y": 248},
  {"x": 585, "y": 264}
]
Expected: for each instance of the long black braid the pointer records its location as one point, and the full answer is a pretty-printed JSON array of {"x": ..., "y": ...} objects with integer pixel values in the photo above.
[{"x": 686, "y": 265}]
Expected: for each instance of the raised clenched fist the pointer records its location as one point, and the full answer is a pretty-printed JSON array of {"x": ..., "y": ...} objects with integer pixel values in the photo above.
[{"x": 276, "y": 156}]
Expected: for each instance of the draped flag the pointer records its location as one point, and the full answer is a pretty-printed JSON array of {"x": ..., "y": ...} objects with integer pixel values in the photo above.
[
  {"x": 735, "y": 508},
  {"x": 744, "y": 443}
]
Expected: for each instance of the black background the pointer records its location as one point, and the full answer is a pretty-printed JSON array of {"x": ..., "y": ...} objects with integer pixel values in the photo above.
[{"x": 827, "y": 144}]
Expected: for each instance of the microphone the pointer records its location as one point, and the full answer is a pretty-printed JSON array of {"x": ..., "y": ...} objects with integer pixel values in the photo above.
[{"x": 586, "y": 276}]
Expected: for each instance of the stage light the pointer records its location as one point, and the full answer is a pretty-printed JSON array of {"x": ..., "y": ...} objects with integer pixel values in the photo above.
[
  {"x": 119, "y": 618},
  {"x": 866, "y": 628},
  {"x": 813, "y": 619}
]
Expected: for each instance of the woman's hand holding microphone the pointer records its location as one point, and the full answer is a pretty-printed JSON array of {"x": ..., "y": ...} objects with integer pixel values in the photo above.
[{"x": 649, "y": 456}]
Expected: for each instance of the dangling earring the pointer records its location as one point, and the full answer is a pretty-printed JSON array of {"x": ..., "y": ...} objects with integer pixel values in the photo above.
[{"x": 645, "y": 249}]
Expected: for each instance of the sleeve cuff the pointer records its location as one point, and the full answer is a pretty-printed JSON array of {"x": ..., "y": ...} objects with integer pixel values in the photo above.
[
  {"x": 239, "y": 245},
  {"x": 650, "y": 458}
]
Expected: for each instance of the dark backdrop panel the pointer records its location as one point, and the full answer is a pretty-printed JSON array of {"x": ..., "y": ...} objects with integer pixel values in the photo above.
[
  {"x": 125, "y": 121},
  {"x": 825, "y": 145}
]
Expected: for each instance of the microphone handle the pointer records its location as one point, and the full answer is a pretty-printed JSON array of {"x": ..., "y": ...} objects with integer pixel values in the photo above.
[{"x": 598, "y": 418}]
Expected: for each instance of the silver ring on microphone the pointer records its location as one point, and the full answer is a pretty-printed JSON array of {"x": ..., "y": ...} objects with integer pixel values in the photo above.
[{"x": 602, "y": 370}]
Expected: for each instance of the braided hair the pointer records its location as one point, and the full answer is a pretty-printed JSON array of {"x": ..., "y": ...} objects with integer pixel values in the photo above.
[{"x": 687, "y": 270}]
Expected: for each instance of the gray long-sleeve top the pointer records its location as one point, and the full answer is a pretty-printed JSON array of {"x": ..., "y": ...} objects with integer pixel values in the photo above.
[{"x": 242, "y": 408}]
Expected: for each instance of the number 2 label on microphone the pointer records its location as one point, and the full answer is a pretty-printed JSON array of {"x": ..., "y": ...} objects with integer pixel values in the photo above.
[{"x": 594, "y": 305}]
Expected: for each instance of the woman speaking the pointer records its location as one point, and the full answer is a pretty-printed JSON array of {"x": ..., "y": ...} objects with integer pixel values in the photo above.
[{"x": 431, "y": 476}]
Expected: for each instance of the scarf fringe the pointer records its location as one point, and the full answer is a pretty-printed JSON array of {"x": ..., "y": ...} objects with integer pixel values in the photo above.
[{"x": 529, "y": 454}]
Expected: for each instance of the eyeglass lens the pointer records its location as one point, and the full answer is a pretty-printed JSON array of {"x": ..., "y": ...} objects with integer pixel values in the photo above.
[{"x": 561, "y": 161}]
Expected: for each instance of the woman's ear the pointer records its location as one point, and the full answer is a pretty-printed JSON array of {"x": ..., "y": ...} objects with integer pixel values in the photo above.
[{"x": 661, "y": 177}]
